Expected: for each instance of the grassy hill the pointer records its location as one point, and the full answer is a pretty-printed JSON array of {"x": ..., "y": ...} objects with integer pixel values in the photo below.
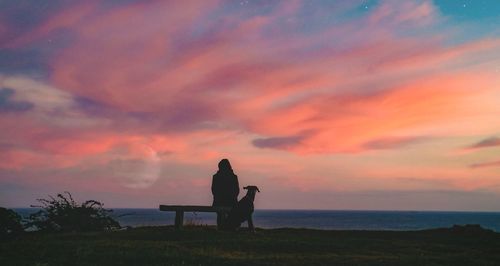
[{"x": 206, "y": 246}]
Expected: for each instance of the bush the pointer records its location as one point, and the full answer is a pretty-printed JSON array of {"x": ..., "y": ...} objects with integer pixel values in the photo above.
[
  {"x": 62, "y": 213},
  {"x": 10, "y": 222}
]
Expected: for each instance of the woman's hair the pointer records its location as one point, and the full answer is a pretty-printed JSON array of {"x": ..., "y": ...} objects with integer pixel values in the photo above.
[{"x": 225, "y": 166}]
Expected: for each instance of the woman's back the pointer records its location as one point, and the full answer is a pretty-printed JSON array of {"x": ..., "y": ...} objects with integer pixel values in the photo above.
[{"x": 225, "y": 186}]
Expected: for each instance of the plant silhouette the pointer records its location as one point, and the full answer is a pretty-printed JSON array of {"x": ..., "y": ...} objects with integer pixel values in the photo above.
[
  {"x": 10, "y": 223},
  {"x": 62, "y": 213}
]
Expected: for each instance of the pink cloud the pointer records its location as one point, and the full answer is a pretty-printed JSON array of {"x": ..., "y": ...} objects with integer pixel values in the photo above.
[
  {"x": 393, "y": 142},
  {"x": 486, "y": 164}
]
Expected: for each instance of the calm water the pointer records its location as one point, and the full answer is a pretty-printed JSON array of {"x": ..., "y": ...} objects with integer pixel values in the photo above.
[{"x": 352, "y": 220}]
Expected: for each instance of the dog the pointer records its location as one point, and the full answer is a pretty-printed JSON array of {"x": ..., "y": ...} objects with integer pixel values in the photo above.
[{"x": 242, "y": 211}]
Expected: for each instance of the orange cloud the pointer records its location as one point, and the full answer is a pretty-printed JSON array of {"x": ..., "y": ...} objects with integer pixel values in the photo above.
[{"x": 344, "y": 123}]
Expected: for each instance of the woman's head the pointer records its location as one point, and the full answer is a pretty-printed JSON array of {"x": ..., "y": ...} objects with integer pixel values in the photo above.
[{"x": 225, "y": 166}]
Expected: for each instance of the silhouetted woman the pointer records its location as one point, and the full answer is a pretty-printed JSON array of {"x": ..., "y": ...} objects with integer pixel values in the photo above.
[{"x": 225, "y": 188}]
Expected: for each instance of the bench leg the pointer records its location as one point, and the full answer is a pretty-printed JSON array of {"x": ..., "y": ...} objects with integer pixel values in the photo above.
[{"x": 179, "y": 219}]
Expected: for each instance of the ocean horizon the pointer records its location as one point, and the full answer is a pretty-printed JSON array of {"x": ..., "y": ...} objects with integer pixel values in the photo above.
[{"x": 315, "y": 219}]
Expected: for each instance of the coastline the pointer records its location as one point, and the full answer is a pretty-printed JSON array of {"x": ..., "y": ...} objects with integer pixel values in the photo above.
[{"x": 318, "y": 219}]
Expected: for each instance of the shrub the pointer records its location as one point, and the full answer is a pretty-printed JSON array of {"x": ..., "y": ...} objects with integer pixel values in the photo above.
[
  {"x": 62, "y": 213},
  {"x": 10, "y": 222}
]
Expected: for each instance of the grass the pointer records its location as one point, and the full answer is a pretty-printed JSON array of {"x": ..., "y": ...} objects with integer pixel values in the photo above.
[{"x": 202, "y": 245}]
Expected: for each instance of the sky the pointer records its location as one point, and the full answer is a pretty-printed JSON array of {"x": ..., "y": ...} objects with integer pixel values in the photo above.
[{"x": 371, "y": 105}]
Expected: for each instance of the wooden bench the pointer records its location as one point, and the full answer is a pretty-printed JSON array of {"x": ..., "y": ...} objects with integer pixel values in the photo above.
[{"x": 180, "y": 209}]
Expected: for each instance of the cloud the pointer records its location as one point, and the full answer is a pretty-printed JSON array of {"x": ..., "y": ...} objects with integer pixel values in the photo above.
[
  {"x": 277, "y": 142},
  {"x": 343, "y": 123},
  {"x": 485, "y": 165},
  {"x": 8, "y": 105},
  {"x": 485, "y": 143},
  {"x": 46, "y": 103},
  {"x": 254, "y": 72},
  {"x": 393, "y": 142},
  {"x": 45, "y": 98},
  {"x": 417, "y": 12}
]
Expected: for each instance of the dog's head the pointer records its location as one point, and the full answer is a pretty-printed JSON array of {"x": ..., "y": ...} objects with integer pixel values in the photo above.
[
  {"x": 251, "y": 191},
  {"x": 252, "y": 188}
]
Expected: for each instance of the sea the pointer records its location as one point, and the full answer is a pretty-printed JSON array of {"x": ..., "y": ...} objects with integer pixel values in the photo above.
[{"x": 316, "y": 219}]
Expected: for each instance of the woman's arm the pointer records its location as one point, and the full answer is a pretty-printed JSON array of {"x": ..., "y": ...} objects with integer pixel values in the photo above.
[
  {"x": 236, "y": 188},
  {"x": 214, "y": 185}
]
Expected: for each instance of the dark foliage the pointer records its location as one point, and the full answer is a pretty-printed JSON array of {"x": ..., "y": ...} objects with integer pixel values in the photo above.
[
  {"x": 10, "y": 222},
  {"x": 62, "y": 213}
]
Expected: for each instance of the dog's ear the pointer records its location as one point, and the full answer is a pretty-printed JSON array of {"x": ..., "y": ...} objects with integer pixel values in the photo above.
[
  {"x": 245, "y": 187},
  {"x": 258, "y": 189}
]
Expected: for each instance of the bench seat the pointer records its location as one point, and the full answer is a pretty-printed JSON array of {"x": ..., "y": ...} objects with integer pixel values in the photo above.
[{"x": 180, "y": 209}]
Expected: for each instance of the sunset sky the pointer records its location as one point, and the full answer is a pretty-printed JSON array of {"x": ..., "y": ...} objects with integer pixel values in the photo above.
[{"x": 322, "y": 104}]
